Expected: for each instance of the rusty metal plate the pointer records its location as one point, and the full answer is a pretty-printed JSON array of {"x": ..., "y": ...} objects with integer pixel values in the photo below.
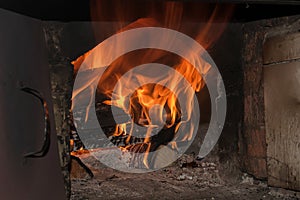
[{"x": 282, "y": 113}]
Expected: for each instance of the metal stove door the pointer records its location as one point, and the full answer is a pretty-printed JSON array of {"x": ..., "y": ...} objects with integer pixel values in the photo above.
[{"x": 29, "y": 165}]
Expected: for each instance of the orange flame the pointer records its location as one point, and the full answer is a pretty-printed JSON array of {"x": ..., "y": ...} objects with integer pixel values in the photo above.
[{"x": 152, "y": 105}]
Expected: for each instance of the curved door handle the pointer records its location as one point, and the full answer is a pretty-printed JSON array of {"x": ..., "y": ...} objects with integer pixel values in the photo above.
[{"x": 46, "y": 144}]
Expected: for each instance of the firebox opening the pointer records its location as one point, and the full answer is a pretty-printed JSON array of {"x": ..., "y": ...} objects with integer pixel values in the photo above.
[{"x": 227, "y": 146}]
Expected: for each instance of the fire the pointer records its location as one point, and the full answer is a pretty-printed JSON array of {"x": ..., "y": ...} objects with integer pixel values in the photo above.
[{"x": 151, "y": 105}]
